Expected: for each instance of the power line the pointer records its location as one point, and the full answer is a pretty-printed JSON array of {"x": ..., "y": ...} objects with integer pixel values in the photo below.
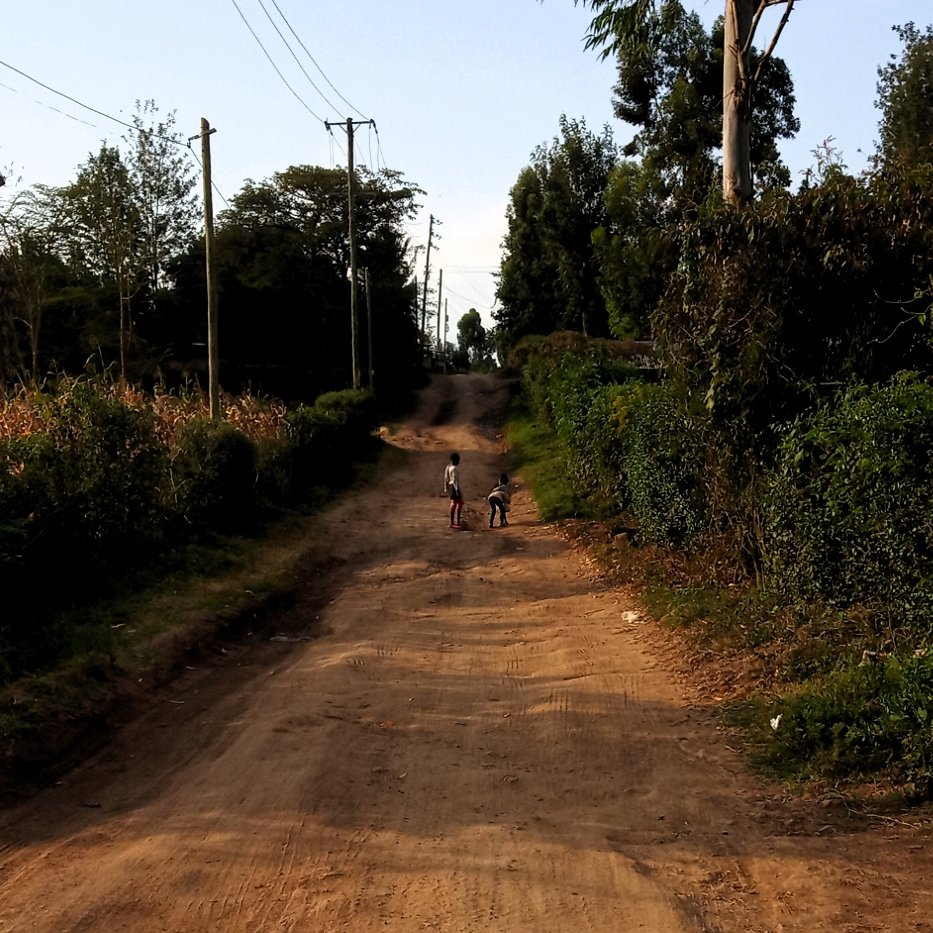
[
  {"x": 316, "y": 65},
  {"x": 62, "y": 113},
  {"x": 100, "y": 113},
  {"x": 298, "y": 97},
  {"x": 106, "y": 116},
  {"x": 292, "y": 51}
]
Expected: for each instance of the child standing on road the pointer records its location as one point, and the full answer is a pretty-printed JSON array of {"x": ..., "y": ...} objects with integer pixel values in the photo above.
[
  {"x": 452, "y": 488},
  {"x": 499, "y": 500}
]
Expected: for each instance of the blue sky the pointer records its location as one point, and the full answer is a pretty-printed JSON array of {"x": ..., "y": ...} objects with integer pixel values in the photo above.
[{"x": 461, "y": 93}]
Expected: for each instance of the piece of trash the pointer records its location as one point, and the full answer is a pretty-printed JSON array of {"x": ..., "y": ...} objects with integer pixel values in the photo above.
[
  {"x": 776, "y": 721},
  {"x": 402, "y": 776},
  {"x": 179, "y": 702}
]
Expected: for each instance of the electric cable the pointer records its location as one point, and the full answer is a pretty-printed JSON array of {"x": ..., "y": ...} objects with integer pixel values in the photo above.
[
  {"x": 297, "y": 96},
  {"x": 292, "y": 52},
  {"x": 107, "y": 116},
  {"x": 316, "y": 65},
  {"x": 100, "y": 113}
]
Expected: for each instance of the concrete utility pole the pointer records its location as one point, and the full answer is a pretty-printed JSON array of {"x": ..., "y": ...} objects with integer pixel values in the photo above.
[
  {"x": 427, "y": 271},
  {"x": 213, "y": 374},
  {"x": 351, "y": 228}
]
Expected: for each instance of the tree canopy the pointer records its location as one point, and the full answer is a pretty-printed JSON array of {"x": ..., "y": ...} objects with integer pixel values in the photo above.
[
  {"x": 672, "y": 92},
  {"x": 637, "y": 29},
  {"x": 548, "y": 279},
  {"x": 108, "y": 272},
  {"x": 905, "y": 98}
]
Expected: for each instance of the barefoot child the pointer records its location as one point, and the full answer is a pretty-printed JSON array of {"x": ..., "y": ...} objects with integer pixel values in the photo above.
[
  {"x": 499, "y": 500},
  {"x": 452, "y": 488}
]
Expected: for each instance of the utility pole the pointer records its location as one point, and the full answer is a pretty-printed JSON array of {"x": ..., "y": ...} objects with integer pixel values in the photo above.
[
  {"x": 213, "y": 375},
  {"x": 427, "y": 268},
  {"x": 369, "y": 326},
  {"x": 440, "y": 286},
  {"x": 351, "y": 229}
]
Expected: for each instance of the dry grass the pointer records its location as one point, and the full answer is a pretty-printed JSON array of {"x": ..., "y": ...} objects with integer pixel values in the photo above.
[{"x": 27, "y": 412}]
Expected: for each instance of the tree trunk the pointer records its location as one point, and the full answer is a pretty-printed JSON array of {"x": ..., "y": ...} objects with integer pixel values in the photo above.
[{"x": 737, "y": 104}]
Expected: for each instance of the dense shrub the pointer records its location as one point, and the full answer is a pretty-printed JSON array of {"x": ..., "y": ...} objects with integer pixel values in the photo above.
[
  {"x": 774, "y": 307},
  {"x": 328, "y": 436},
  {"x": 847, "y": 515},
  {"x": 214, "y": 476},
  {"x": 80, "y": 501},
  {"x": 97, "y": 480},
  {"x": 661, "y": 455}
]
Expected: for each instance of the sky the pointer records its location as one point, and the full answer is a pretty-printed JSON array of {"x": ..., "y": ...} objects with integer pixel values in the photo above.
[{"x": 460, "y": 94}]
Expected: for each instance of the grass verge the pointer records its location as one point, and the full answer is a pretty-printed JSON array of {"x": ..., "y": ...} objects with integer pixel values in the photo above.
[{"x": 211, "y": 593}]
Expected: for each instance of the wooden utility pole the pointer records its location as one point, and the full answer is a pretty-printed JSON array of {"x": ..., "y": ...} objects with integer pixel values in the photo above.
[
  {"x": 351, "y": 210},
  {"x": 440, "y": 286},
  {"x": 351, "y": 231},
  {"x": 427, "y": 271},
  {"x": 213, "y": 374},
  {"x": 369, "y": 326}
]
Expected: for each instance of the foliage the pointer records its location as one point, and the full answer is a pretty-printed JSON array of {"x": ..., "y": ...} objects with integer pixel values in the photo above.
[
  {"x": 861, "y": 721},
  {"x": 661, "y": 461},
  {"x": 473, "y": 340},
  {"x": 282, "y": 255},
  {"x": 214, "y": 476},
  {"x": 538, "y": 454},
  {"x": 636, "y": 254},
  {"x": 328, "y": 436},
  {"x": 549, "y": 278},
  {"x": 96, "y": 481},
  {"x": 671, "y": 89},
  {"x": 905, "y": 99},
  {"x": 104, "y": 273},
  {"x": 312, "y": 201},
  {"x": 847, "y": 516},
  {"x": 757, "y": 342},
  {"x": 640, "y": 32},
  {"x": 163, "y": 182}
]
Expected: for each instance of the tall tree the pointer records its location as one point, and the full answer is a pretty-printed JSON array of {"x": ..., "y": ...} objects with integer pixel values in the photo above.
[
  {"x": 164, "y": 182},
  {"x": 313, "y": 201},
  {"x": 106, "y": 230},
  {"x": 548, "y": 279},
  {"x": 283, "y": 255},
  {"x": 31, "y": 233},
  {"x": 905, "y": 98},
  {"x": 634, "y": 28},
  {"x": 673, "y": 96},
  {"x": 473, "y": 341}
]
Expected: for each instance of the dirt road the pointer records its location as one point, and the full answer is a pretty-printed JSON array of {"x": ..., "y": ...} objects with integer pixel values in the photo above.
[{"x": 483, "y": 739}]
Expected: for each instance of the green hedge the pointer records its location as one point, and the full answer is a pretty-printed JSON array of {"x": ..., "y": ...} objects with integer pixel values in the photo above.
[
  {"x": 661, "y": 453},
  {"x": 847, "y": 514},
  {"x": 96, "y": 491}
]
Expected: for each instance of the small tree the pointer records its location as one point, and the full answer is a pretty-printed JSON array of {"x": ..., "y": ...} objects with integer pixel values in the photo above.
[
  {"x": 163, "y": 182},
  {"x": 30, "y": 239}
]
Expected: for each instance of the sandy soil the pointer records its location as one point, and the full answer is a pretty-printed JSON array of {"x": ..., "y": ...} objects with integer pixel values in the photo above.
[{"x": 485, "y": 738}]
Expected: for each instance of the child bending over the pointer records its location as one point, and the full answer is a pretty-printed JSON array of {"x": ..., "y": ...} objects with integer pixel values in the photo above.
[{"x": 499, "y": 500}]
